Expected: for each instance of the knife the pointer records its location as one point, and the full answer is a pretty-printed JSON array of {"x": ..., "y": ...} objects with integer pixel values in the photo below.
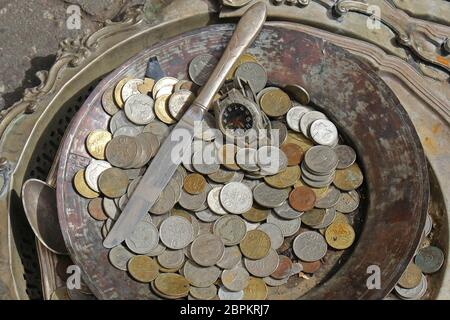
[{"x": 169, "y": 156}]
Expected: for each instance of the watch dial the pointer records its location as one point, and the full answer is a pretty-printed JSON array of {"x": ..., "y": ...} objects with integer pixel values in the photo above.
[{"x": 237, "y": 118}]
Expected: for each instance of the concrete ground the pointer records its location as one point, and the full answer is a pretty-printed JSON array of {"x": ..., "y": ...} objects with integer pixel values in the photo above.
[{"x": 30, "y": 31}]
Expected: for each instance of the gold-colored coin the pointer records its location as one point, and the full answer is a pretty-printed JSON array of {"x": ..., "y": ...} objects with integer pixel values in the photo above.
[
  {"x": 275, "y": 103},
  {"x": 349, "y": 179},
  {"x": 96, "y": 143},
  {"x": 227, "y": 156},
  {"x": 172, "y": 284},
  {"x": 255, "y": 245},
  {"x": 81, "y": 186},
  {"x": 340, "y": 217},
  {"x": 143, "y": 268},
  {"x": 411, "y": 277},
  {"x": 339, "y": 235},
  {"x": 181, "y": 213},
  {"x": 256, "y": 289},
  {"x": 118, "y": 91},
  {"x": 320, "y": 192},
  {"x": 313, "y": 217},
  {"x": 284, "y": 179},
  {"x": 246, "y": 57},
  {"x": 194, "y": 183},
  {"x": 256, "y": 214},
  {"x": 147, "y": 86},
  {"x": 113, "y": 182},
  {"x": 161, "y": 109},
  {"x": 300, "y": 140}
]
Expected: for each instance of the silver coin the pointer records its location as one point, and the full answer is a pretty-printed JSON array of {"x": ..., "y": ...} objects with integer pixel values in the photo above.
[
  {"x": 108, "y": 103},
  {"x": 221, "y": 176},
  {"x": 207, "y": 250},
  {"x": 158, "y": 219},
  {"x": 316, "y": 177},
  {"x": 330, "y": 215},
  {"x": 317, "y": 184},
  {"x": 307, "y": 119},
  {"x": 251, "y": 183},
  {"x": 246, "y": 159},
  {"x": 201, "y": 68},
  {"x": 110, "y": 208},
  {"x": 309, "y": 246},
  {"x": 165, "y": 91},
  {"x": 139, "y": 109},
  {"x": 214, "y": 201},
  {"x": 278, "y": 129},
  {"x": 200, "y": 277},
  {"x": 134, "y": 173},
  {"x": 270, "y": 197},
  {"x": 285, "y": 211},
  {"x": 165, "y": 82},
  {"x": 348, "y": 201},
  {"x": 263, "y": 267},
  {"x": 123, "y": 201},
  {"x": 119, "y": 120},
  {"x": 127, "y": 131},
  {"x": 119, "y": 257},
  {"x": 159, "y": 249},
  {"x": 288, "y": 227},
  {"x": 171, "y": 259},
  {"x": 204, "y": 164},
  {"x": 275, "y": 234},
  {"x": 254, "y": 74},
  {"x": 294, "y": 115},
  {"x": 230, "y": 258},
  {"x": 144, "y": 238},
  {"x": 329, "y": 199},
  {"x": 194, "y": 202},
  {"x": 428, "y": 225},
  {"x": 235, "y": 279},
  {"x": 206, "y": 129},
  {"x": 93, "y": 171},
  {"x": 159, "y": 129},
  {"x": 321, "y": 159},
  {"x": 271, "y": 160},
  {"x": 225, "y": 294},
  {"x": 324, "y": 132},
  {"x": 207, "y": 215},
  {"x": 272, "y": 282},
  {"x": 230, "y": 228},
  {"x": 236, "y": 197},
  {"x": 346, "y": 156},
  {"x": 130, "y": 88},
  {"x": 167, "y": 199},
  {"x": 237, "y": 177},
  {"x": 132, "y": 186},
  {"x": 179, "y": 102},
  {"x": 176, "y": 232},
  {"x": 249, "y": 226},
  {"x": 414, "y": 293}
]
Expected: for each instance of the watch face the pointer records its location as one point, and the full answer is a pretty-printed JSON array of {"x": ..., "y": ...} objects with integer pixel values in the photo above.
[{"x": 237, "y": 119}]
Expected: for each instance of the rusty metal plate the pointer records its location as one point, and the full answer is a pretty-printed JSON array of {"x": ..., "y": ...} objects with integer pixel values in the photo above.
[{"x": 349, "y": 92}]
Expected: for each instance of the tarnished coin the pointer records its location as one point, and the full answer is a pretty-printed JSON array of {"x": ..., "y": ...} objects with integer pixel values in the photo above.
[
  {"x": 221, "y": 176},
  {"x": 329, "y": 199},
  {"x": 348, "y": 201},
  {"x": 80, "y": 185},
  {"x": 246, "y": 159},
  {"x": 309, "y": 246},
  {"x": 198, "y": 276},
  {"x": 194, "y": 183},
  {"x": 298, "y": 93},
  {"x": 96, "y": 143},
  {"x": 119, "y": 257},
  {"x": 275, "y": 234},
  {"x": 179, "y": 102},
  {"x": 256, "y": 289},
  {"x": 275, "y": 103},
  {"x": 314, "y": 217},
  {"x": 121, "y": 151},
  {"x": 207, "y": 293},
  {"x": 171, "y": 259},
  {"x": 311, "y": 267},
  {"x": 207, "y": 215},
  {"x": 324, "y": 132},
  {"x": 93, "y": 171},
  {"x": 119, "y": 120},
  {"x": 271, "y": 160},
  {"x": 176, "y": 232},
  {"x": 294, "y": 115},
  {"x": 130, "y": 88},
  {"x": 108, "y": 103},
  {"x": 285, "y": 211},
  {"x": 429, "y": 259},
  {"x": 162, "y": 109},
  {"x": 139, "y": 109},
  {"x": 95, "y": 209},
  {"x": 164, "y": 85},
  {"x": 118, "y": 91},
  {"x": 346, "y": 156},
  {"x": 413, "y": 293},
  {"x": 329, "y": 217},
  {"x": 411, "y": 277},
  {"x": 194, "y": 202},
  {"x": 231, "y": 229},
  {"x": 225, "y": 294},
  {"x": 255, "y": 245},
  {"x": 287, "y": 227},
  {"x": 207, "y": 250},
  {"x": 172, "y": 284},
  {"x": 340, "y": 235},
  {"x": 230, "y": 258},
  {"x": 201, "y": 67},
  {"x": 349, "y": 179},
  {"x": 269, "y": 197},
  {"x": 254, "y": 74},
  {"x": 284, "y": 268},
  {"x": 147, "y": 86},
  {"x": 144, "y": 238},
  {"x": 263, "y": 267},
  {"x": 284, "y": 179},
  {"x": 113, "y": 182},
  {"x": 235, "y": 279},
  {"x": 302, "y": 199},
  {"x": 143, "y": 268},
  {"x": 307, "y": 119},
  {"x": 256, "y": 213},
  {"x": 321, "y": 159},
  {"x": 214, "y": 202},
  {"x": 293, "y": 152},
  {"x": 236, "y": 197}
]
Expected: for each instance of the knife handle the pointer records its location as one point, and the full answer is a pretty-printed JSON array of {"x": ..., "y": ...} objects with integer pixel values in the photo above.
[{"x": 245, "y": 33}]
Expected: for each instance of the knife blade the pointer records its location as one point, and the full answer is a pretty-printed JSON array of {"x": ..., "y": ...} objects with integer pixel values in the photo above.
[{"x": 169, "y": 156}]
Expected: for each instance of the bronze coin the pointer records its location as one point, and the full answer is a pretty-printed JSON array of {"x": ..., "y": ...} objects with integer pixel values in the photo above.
[
  {"x": 82, "y": 187},
  {"x": 302, "y": 199},
  {"x": 411, "y": 277},
  {"x": 294, "y": 153},
  {"x": 284, "y": 268},
  {"x": 313, "y": 217},
  {"x": 349, "y": 179},
  {"x": 122, "y": 151},
  {"x": 311, "y": 267},
  {"x": 113, "y": 182},
  {"x": 172, "y": 284},
  {"x": 95, "y": 209},
  {"x": 194, "y": 183},
  {"x": 143, "y": 268},
  {"x": 256, "y": 214},
  {"x": 256, "y": 289},
  {"x": 255, "y": 245}
]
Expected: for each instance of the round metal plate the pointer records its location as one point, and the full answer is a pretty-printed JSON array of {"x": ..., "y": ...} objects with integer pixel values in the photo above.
[{"x": 349, "y": 92}]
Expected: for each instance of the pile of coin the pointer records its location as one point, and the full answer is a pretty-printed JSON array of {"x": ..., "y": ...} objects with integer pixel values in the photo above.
[{"x": 229, "y": 223}]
